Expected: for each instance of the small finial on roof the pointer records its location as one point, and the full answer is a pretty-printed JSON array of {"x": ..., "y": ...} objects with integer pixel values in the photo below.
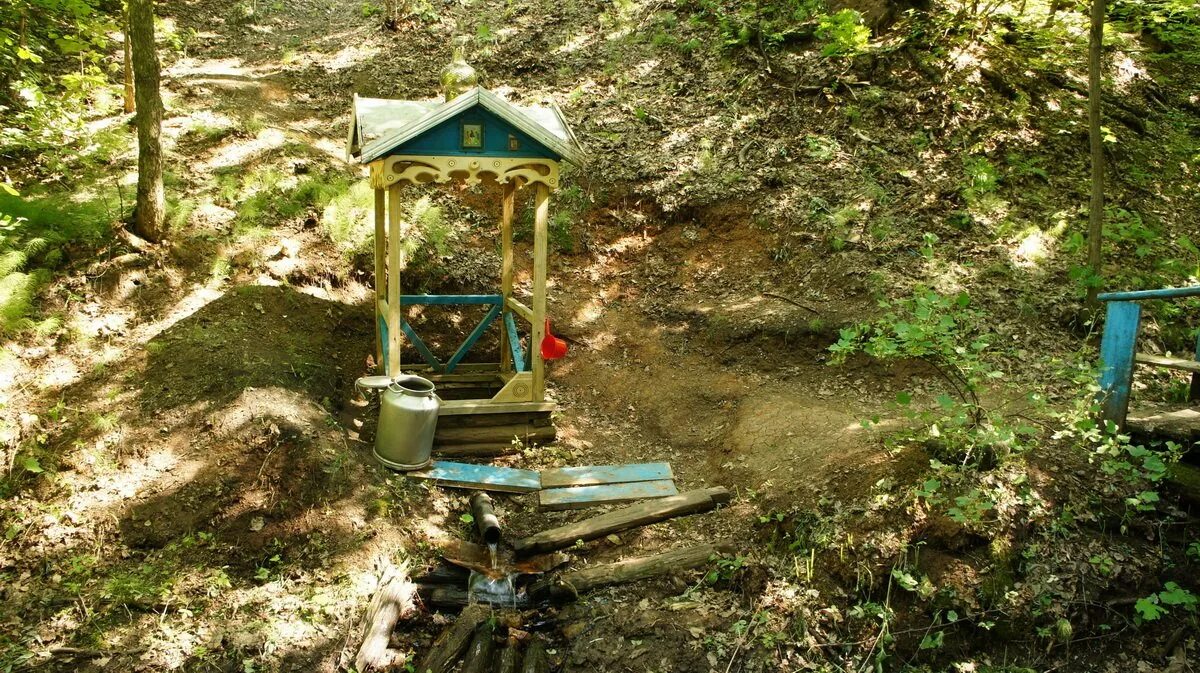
[{"x": 458, "y": 76}]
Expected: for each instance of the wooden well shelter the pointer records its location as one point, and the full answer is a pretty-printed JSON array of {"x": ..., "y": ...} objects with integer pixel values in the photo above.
[{"x": 469, "y": 137}]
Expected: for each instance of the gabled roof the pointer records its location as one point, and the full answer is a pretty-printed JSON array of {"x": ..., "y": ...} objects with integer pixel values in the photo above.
[{"x": 379, "y": 125}]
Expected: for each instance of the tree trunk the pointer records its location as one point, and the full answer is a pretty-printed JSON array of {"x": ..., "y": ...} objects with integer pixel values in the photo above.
[
  {"x": 1096, "y": 208},
  {"x": 149, "y": 212},
  {"x": 129, "y": 105}
]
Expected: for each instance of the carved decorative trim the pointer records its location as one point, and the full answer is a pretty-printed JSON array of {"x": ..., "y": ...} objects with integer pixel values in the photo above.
[{"x": 419, "y": 170}]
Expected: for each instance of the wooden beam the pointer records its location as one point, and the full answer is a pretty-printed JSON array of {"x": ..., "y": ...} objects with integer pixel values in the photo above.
[
  {"x": 580, "y": 497},
  {"x": 493, "y": 433},
  {"x": 507, "y": 205},
  {"x": 520, "y": 309},
  {"x": 380, "y": 272},
  {"x": 395, "y": 264},
  {"x": 616, "y": 521},
  {"x": 569, "y": 585},
  {"x": 1169, "y": 363},
  {"x": 541, "y": 218},
  {"x": 457, "y": 407}
]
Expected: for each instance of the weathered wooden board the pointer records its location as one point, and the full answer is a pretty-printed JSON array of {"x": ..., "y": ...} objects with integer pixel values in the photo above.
[
  {"x": 484, "y": 477},
  {"x": 1170, "y": 363},
  {"x": 578, "y": 497},
  {"x": 588, "y": 475},
  {"x": 641, "y": 514}
]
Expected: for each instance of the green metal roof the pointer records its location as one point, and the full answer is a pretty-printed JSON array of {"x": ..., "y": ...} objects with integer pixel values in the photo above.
[{"x": 380, "y": 125}]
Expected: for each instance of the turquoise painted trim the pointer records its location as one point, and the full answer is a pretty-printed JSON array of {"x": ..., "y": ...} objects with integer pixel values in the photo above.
[
  {"x": 445, "y": 139},
  {"x": 466, "y": 346},
  {"x": 448, "y": 299},
  {"x": 514, "y": 342},
  {"x": 1117, "y": 350},
  {"x": 1165, "y": 293},
  {"x": 426, "y": 354}
]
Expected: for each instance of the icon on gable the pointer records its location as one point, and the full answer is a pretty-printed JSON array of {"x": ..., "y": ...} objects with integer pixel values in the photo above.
[
  {"x": 513, "y": 143},
  {"x": 472, "y": 136}
]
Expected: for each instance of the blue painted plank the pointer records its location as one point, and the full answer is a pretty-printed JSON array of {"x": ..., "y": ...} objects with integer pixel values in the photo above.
[
  {"x": 578, "y": 497},
  {"x": 1117, "y": 351},
  {"x": 484, "y": 477},
  {"x": 514, "y": 342},
  {"x": 448, "y": 299},
  {"x": 1164, "y": 293},
  {"x": 426, "y": 354},
  {"x": 605, "y": 474},
  {"x": 466, "y": 346}
]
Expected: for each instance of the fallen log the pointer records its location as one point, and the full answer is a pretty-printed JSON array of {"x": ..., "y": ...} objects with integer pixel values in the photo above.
[
  {"x": 535, "y": 658},
  {"x": 445, "y": 597},
  {"x": 451, "y": 644},
  {"x": 479, "y": 654},
  {"x": 393, "y": 601},
  {"x": 641, "y": 514},
  {"x": 567, "y": 586},
  {"x": 445, "y": 574},
  {"x": 493, "y": 433}
]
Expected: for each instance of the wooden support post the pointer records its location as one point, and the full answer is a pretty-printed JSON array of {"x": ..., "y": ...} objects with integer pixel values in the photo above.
[
  {"x": 453, "y": 642},
  {"x": 540, "y": 252},
  {"x": 1117, "y": 351},
  {"x": 1194, "y": 394},
  {"x": 395, "y": 264},
  {"x": 510, "y": 656},
  {"x": 479, "y": 655},
  {"x": 507, "y": 205},
  {"x": 535, "y": 658},
  {"x": 380, "y": 272},
  {"x": 618, "y": 520}
]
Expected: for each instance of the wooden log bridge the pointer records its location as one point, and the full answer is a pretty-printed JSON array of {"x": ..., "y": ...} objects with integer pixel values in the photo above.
[
  {"x": 567, "y": 586},
  {"x": 641, "y": 514},
  {"x": 1118, "y": 349}
]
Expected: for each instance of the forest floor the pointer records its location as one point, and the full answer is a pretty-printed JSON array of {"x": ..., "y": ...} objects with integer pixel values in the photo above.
[{"x": 202, "y": 498}]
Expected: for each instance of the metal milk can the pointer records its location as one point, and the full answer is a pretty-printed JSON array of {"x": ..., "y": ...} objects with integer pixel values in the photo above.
[{"x": 408, "y": 413}]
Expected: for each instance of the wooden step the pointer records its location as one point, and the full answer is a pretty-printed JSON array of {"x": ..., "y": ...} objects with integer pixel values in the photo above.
[{"x": 1170, "y": 363}]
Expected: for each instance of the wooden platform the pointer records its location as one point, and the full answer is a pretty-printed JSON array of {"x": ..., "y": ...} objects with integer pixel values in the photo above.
[
  {"x": 1180, "y": 425},
  {"x": 1181, "y": 364}
]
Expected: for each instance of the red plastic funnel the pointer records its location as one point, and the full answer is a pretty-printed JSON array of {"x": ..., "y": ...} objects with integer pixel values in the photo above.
[{"x": 553, "y": 348}]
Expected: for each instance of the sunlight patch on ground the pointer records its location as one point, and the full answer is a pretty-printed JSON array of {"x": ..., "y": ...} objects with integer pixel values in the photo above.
[
  {"x": 575, "y": 43},
  {"x": 241, "y": 152},
  {"x": 347, "y": 57},
  {"x": 199, "y": 297}
]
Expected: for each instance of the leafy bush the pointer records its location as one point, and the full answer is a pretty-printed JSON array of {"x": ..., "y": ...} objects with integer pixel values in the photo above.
[
  {"x": 843, "y": 34},
  {"x": 35, "y": 235},
  {"x": 767, "y": 25}
]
